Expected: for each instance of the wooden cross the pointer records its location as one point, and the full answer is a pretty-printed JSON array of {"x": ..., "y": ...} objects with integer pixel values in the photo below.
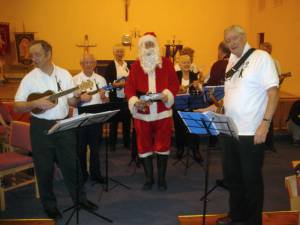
[
  {"x": 86, "y": 45},
  {"x": 126, "y": 9}
]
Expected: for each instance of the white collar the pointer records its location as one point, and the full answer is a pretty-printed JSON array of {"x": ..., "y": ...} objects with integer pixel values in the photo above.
[{"x": 246, "y": 48}]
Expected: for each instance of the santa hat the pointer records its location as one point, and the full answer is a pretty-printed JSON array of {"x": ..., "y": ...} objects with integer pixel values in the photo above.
[{"x": 148, "y": 36}]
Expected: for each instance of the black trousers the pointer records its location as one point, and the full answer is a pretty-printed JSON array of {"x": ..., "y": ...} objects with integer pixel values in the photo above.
[
  {"x": 47, "y": 150},
  {"x": 90, "y": 136},
  {"x": 124, "y": 117},
  {"x": 243, "y": 163}
]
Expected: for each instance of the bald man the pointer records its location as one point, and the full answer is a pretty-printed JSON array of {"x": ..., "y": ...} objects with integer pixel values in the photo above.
[{"x": 91, "y": 135}]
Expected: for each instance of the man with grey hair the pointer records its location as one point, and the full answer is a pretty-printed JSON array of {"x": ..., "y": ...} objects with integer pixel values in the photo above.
[
  {"x": 91, "y": 135},
  {"x": 114, "y": 73},
  {"x": 251, "y": 96}
]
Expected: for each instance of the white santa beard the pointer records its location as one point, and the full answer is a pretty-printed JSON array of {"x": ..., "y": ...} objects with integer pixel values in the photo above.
[{"x": 150, "y": 58}]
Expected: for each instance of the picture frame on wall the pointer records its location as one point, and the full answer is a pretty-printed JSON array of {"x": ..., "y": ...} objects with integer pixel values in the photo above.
[
  {"x": 4, "y": 39},
  {"x": 22, "y": 45}
]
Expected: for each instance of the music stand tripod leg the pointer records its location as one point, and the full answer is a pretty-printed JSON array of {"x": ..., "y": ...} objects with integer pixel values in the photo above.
[
  {"x": 76, "y": 207},
  {"x": 185, "y": 160},
  {"x": 107, "y": 178}
]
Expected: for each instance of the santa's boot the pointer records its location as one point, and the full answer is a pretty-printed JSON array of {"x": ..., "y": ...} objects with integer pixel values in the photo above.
[
  {"x": 162, "y": 162},
  {"x": 148, "y": 169}
]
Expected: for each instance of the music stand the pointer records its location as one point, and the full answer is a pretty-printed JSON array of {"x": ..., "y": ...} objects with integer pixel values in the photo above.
[
  {"x": 134, "y": 152},
  {"x": 76, "y": 123},
  {"x": 188, "y": 102},
  {"x": 208, "y": 123},
  {"x": 216, "y": 91},
  {"x": 96, "y": 108}
]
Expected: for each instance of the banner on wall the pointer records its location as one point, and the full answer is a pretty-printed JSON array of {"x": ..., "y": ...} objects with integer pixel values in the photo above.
[
  {"x": 4, "y": 39},
  {"x": 22, "y": 45}
]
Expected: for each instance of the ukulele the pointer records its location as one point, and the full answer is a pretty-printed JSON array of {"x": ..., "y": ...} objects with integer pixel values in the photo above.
[
  {"x": 108, "y": 87},
  {"x": 53, "y": 97},
  {"x": 151, "y": 97},
  {"x": 118, "y": 80},
  {"x": 197, "y": 84}
]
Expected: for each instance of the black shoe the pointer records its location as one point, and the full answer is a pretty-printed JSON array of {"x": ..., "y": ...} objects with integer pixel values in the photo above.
[
  {"x": 148, "y": 185},
  {"x": 53, "y": 213},
  {"x": 198, "y": 159},
  {"x": 197, "y": 156},
  {"x": 162, "y": 185},
  {"x": 88, "y": 205},
  {"x": 112, "y": 148},
  {"x": 98, "y": 179},
  {"x": 179, "y": 154},
  {"x": 127, "y": 146},
  {"x": 296, "y": 142}
]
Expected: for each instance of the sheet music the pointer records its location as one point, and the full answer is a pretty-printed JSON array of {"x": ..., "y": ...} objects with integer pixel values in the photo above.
[
  {"x": 193, "y": 121},
  {"x": 99, "y": 117},
  {"x": 216, "y": 123},
  {"x": 83, "y": 119},
  {"x": 224, "y": 124}
]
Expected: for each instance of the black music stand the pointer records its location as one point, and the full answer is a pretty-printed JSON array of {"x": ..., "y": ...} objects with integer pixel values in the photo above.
[
  {"x": 104, "y": 108},
  {"x": 76, "y": 123},
  {"x": 135, "y": 159},
  {"x": 188, "y": 102},
  {"x": 208, "y": 123}
]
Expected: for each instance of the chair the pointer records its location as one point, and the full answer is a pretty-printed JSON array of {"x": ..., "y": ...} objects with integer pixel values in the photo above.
[
  {"x": 4, "y": 132},
  {"x": 13, "y": 165}
]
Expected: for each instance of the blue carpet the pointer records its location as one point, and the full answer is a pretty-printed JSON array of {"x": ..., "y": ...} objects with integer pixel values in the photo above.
[{"x": 136, "y": 207}]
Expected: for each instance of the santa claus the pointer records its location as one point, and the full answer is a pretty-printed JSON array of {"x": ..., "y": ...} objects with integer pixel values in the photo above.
[{"x": 152, "y": 73}]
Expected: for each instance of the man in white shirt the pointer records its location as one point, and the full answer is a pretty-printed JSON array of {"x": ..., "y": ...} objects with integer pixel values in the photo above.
[
  {"x": 58, "y": 148},
  {"x": 114, "y": 73},
  {"x": 91, "y": 135},
  {"x": 251, "y": 96}
]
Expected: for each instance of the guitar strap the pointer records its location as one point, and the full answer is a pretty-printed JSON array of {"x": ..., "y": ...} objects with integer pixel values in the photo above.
[
  {"x": 236, "y": 67},
  {"x": 58, "y": 84},
  {"x": 97, "y": 87}
]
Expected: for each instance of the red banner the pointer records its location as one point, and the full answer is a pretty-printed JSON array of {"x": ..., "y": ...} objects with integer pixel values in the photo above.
[{"x": 4, "y": 39}]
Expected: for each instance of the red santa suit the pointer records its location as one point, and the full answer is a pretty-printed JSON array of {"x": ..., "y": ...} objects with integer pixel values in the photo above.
[{"x": 153, "y": 125}]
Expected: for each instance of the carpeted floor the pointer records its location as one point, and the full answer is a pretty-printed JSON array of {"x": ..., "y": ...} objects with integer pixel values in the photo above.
[{"x": 136, "y": 207}]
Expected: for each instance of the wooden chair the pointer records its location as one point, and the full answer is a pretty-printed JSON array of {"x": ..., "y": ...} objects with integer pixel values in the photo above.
[
  {"x": 4, "y": 132},
  {"x": 13, "y": 165}
]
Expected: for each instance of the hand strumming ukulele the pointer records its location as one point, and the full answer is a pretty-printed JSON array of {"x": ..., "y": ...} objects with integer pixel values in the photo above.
[
  {"x": 108, "y": 87},
  {"x": 53, "y": 97}
]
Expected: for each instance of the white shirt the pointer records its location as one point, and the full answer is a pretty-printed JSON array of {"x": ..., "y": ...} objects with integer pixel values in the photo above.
[
  {"x": 36, "y": 81},
  {"x": 246, "y": 97},
  {"x": 98, "y": 82},
  {"x": 122, "y": 71},
  {"x": 185, "y": 82}
]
